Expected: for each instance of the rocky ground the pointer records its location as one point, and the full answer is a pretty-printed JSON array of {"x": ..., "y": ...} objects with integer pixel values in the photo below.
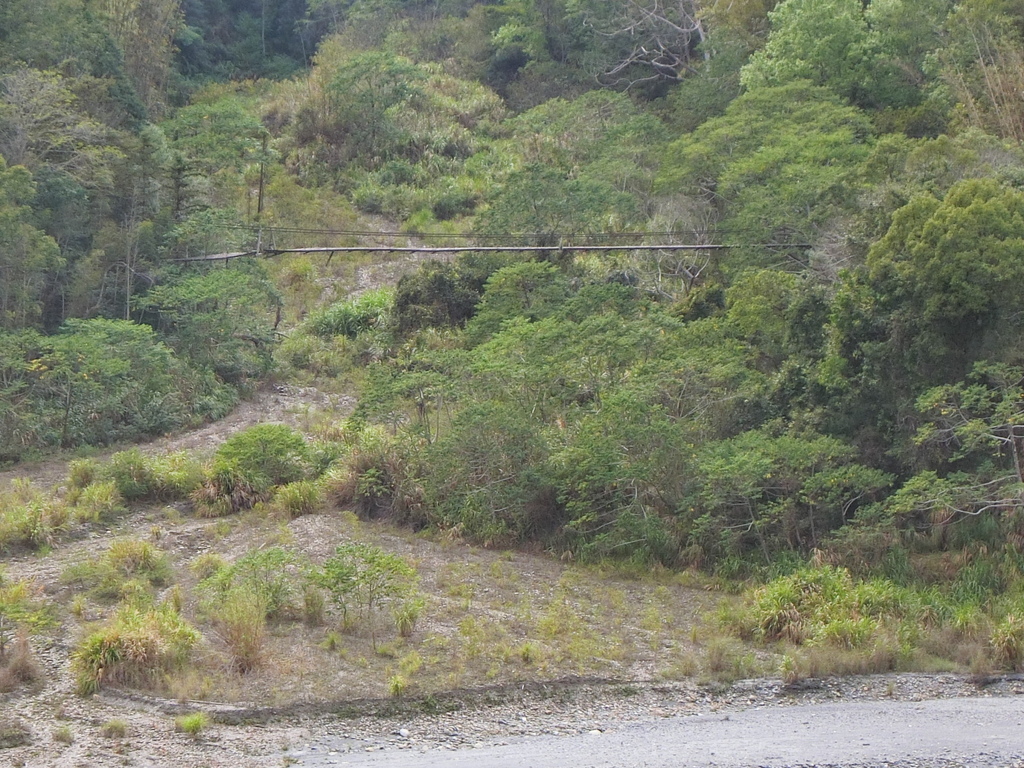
[
  {"x": 588, "y": 709},
  {"x": 483, "y": 718}
]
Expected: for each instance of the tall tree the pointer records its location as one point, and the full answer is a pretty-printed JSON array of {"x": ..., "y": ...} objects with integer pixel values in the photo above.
[{"x": 27, "y": 256}]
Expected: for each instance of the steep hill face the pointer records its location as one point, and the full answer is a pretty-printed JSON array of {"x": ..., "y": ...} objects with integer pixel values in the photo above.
[{"x": 813, "y": 396}]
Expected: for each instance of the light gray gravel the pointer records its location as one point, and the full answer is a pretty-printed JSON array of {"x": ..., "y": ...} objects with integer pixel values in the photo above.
[{"x": 899, "y": 721}]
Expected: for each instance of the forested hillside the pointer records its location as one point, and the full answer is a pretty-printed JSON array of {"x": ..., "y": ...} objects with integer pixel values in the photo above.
[{"x": 841, "y": 381}]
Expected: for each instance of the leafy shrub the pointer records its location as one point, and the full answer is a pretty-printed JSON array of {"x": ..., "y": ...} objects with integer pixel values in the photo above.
[
  {"x": 249, "y": 464},
  {"x": 137, "y": 648},
  {"x": 272, "y": 451},
  {"x": 453, "y": 202},
  {"x": 265, "y": 573},
  {"x": 351, "y": 317},
  {"x": 437, "y": 294},
  {"x": 364, "y": 576}
]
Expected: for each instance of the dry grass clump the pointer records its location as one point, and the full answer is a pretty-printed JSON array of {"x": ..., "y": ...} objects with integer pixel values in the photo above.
[
  {"x": 241, "y": 624},
  {"x": 137, "y": 648},
  {"x": 13, "y": 732},
  {"x": 129, "y": 566},
  {"x": 1007, "y": 642},
  {"x": 18, "y": 666}
]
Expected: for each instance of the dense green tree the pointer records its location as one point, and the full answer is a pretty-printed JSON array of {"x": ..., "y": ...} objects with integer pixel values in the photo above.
[
  {"x": 935, "y": 297},
  {"x": 223, "y": 320},
  {"x": 871, "y": 54},
  {"x": 145, "y": 31},
  {"x": 760, "y": 491},
  {"x": 538, "y": 205},
  {"x": 600, "y": 136},
  {"x": 530, "y": 290},
  {"x": 42, "y": 126},
  {"x": 778, "y": 167},
  {"x": 621, "y": 473},
  {"x": 366, "y": 96},
  {"x": 27, "y": 256},
  {"x": 98, "y": 381},
  {"x": 487, "y": 475}
]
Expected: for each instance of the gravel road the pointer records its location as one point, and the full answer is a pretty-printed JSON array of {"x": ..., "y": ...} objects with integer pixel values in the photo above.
[{"x": 933, "y": 733}]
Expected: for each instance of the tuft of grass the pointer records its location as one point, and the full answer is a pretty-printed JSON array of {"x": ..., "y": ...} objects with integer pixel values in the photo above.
[
  {"x": 332, "y": 641},
  {"x": 406, "y": 615},
  {"x": 13, "y": 732},
  {"x": 137, "y": 558},
  {"x": 1007, "y": 642},
  {"x": 78, "y": 605},
  {"x": 313, "y": 606},
  {"x": 351, "y": 317},
  {"x": 132, "y": 474},
  {"x": 21, "y": 607},
  {"x": 206, "y": 565},
  {"x": 63, "y": 734},
  {"x": 114, "y": 729},
  {"x": 129, "y": 567},
  {"x": 303, "y": 497},
  {"x": 397, "y": 686},
  {"x": 99, "y": 501},
  {"x": 31, "y": 518},
  {"x": 528, "y": 652},
  {"x": 82, "y": 473},
  {"x": 192, "y": 724},
  {"x": 726, "y": 660}
]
